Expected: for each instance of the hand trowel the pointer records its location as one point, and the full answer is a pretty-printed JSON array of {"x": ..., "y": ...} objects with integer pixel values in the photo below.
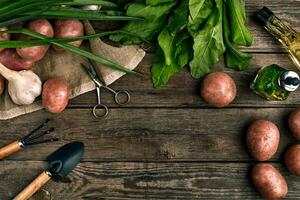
[{"x": 61, "y": 163}]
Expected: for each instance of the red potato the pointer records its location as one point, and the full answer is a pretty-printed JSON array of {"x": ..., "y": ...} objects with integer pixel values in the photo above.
[
  {"x": 55, "y": 95},
  {"x": 294, "y": 123},
  {"x": 292, "y": 159},
  {"x": 218, "y": 89},
  {"x": 2, "y": 84},
  {"x": 13, "y": 61},
  {"x": 5, "y": 36},
  {"x": 269, "y": 182},
  {"x": 15, "y": 36},
  {"x": 36, "y": 53},
  {"x": 262, "y": 139},
  {"x": 67, "y": 29}
]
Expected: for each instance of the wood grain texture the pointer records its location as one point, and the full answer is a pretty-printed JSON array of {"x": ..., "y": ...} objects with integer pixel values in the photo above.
[
  {"x": 151, "y": 134},
  {"x": 33, "y": 187},
  {"x": 135, "y": 180},
  {"x": 165, "y": 144},
  {"x": 287, "y": 10},
  {"x": 184, "y": 91}
]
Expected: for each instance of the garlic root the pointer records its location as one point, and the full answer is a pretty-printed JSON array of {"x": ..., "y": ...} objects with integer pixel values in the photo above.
[{"x": 23, "y": 86}]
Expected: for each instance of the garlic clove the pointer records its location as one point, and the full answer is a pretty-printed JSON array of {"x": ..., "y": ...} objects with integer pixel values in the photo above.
[{"x": 25, "y": 89}]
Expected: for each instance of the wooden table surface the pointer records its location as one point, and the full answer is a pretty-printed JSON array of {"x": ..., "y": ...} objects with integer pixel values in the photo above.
[{"x": 165, "y": 144}]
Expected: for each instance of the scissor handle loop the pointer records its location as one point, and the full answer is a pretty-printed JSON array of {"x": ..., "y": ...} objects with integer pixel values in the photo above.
[
  {"x": 118, "y": 96},
  {"x": 98, "y": 107}
]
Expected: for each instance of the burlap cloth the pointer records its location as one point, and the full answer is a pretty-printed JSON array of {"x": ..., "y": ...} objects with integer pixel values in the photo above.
[{"x": 67, "y": 67}]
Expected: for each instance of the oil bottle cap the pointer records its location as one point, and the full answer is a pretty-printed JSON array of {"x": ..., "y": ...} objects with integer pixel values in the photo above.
[
  {"x": 264, "y": 14},
  {"x": 289, "y": 80}
]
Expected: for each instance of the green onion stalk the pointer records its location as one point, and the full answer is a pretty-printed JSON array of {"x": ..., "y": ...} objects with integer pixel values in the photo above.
[{"x": 12, "y": 12}]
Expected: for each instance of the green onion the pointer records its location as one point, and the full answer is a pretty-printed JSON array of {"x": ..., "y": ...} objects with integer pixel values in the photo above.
[
  {"x": 72, "y": 13},
  {"x": 21, "y": 6},
  {"x": 21, "y": 19},
  {"x": 84, "y": 53},
  {"x": 90, "y": 2},
  {"x": 30, "y": 43}
]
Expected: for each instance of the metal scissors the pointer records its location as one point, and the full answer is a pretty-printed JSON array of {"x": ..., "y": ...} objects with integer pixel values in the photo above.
[{"x": 90, "y": 70}]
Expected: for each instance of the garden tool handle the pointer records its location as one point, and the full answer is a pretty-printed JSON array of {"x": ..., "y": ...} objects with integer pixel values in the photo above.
[
  {"x": 10, "y": 149},
  {"x": 33, "y": 187}
]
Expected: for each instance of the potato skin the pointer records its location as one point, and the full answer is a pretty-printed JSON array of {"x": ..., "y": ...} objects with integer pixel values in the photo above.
[
  {"x": 292, "y": 159},
  {"x": 13, "y": 61},
  {"x": 55, "y": 95},
  {"x": 218, "y": 89},
  {"x": 269, "y": 182},
  {"x": 16, "y": 36},
  {"x": 262, "y": 139},
  {"x": 2, "y": 84},
  {"x": 36, "y": 53},
  {"x": 67, "y": 29},
  {"x": 294, "y": 123},
  {"x": 5, "y": 36}
]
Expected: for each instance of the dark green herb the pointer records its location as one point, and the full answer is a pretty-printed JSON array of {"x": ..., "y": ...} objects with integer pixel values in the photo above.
[
  {"x": 240, "y": 34},
  {"x": 173, "y": 52},
  {"x": 155, "y": 19},
  {"x": 199, "y": 12},
  {"x": 208, "y": 44},
  {"x": 205, "y": 23},
  {"x": 234, "y": 58}
]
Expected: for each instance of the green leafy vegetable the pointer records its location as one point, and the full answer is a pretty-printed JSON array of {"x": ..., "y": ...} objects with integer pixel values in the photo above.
[
  {"x": 208, "y": 44},
  {"x": 234, "y": 58},
  {"x": 176, "y": 24},
  {"x": 155, "y": 18},
  {"x": 173, "y": 53},
  {"x": 240, "y": 34},
  {"x": 199, "y": 12}
]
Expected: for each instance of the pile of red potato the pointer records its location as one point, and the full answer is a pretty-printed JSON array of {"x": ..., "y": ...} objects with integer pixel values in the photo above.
[
  {"x": 55, "y": 92},
  {"x": 218, "y": 89},
  {"x": 263, "y": 139}
]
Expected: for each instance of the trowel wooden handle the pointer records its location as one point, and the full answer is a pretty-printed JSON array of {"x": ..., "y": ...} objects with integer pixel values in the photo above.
[
  {"x": 10, "y": 149},
  {"x": 34, "y": 186}
]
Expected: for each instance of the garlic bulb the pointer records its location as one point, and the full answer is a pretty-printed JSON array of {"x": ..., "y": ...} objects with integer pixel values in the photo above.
[{"x": 23, "y": 86}]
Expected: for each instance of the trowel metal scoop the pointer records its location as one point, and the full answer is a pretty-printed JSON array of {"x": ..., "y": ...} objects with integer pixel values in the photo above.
[{"x": 61, "y": 163}]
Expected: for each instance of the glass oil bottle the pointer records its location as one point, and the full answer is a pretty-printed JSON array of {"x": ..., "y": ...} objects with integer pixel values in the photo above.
[
  {"x": 288, "y": 37},
  {"x": 275, "y": 83}
]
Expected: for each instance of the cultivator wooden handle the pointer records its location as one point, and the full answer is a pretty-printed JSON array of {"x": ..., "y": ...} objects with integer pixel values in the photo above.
[
  {"x": 10, "y": 149},
  {"x": 34, "y": 186}
]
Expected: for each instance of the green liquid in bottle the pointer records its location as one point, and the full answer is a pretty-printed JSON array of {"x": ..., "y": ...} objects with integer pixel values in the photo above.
[{"x": 266, "y": 83}]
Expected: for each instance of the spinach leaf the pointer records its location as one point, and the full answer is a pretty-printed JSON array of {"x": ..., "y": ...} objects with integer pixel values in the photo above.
[
  {"x": 155, "y": 20},
  {"x": 199, "y": 12},
  {"x": 234, "y": 58},
  {"x": 174, "y": 48},
  {"x": 208, "y": 43},
  {"x": 240, "y": 34}
]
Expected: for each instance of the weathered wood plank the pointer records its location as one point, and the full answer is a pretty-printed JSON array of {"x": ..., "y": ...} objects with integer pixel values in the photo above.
[
  {"x": 151, "y": 134},
  {"x": 183, "y": 91},
  {"x": 263, "y": 41},
  {"x": 134, "y": 180}
]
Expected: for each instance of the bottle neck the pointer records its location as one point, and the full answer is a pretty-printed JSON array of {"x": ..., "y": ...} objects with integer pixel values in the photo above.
[
  {"x": 289, "y": 80},
  {"x": 284, "y": 33}
]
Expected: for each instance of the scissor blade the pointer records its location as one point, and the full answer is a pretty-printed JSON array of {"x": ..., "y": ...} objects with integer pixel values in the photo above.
[
  {"x": 92, "y": 73},
  {"x": 88, "y": 71}
]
